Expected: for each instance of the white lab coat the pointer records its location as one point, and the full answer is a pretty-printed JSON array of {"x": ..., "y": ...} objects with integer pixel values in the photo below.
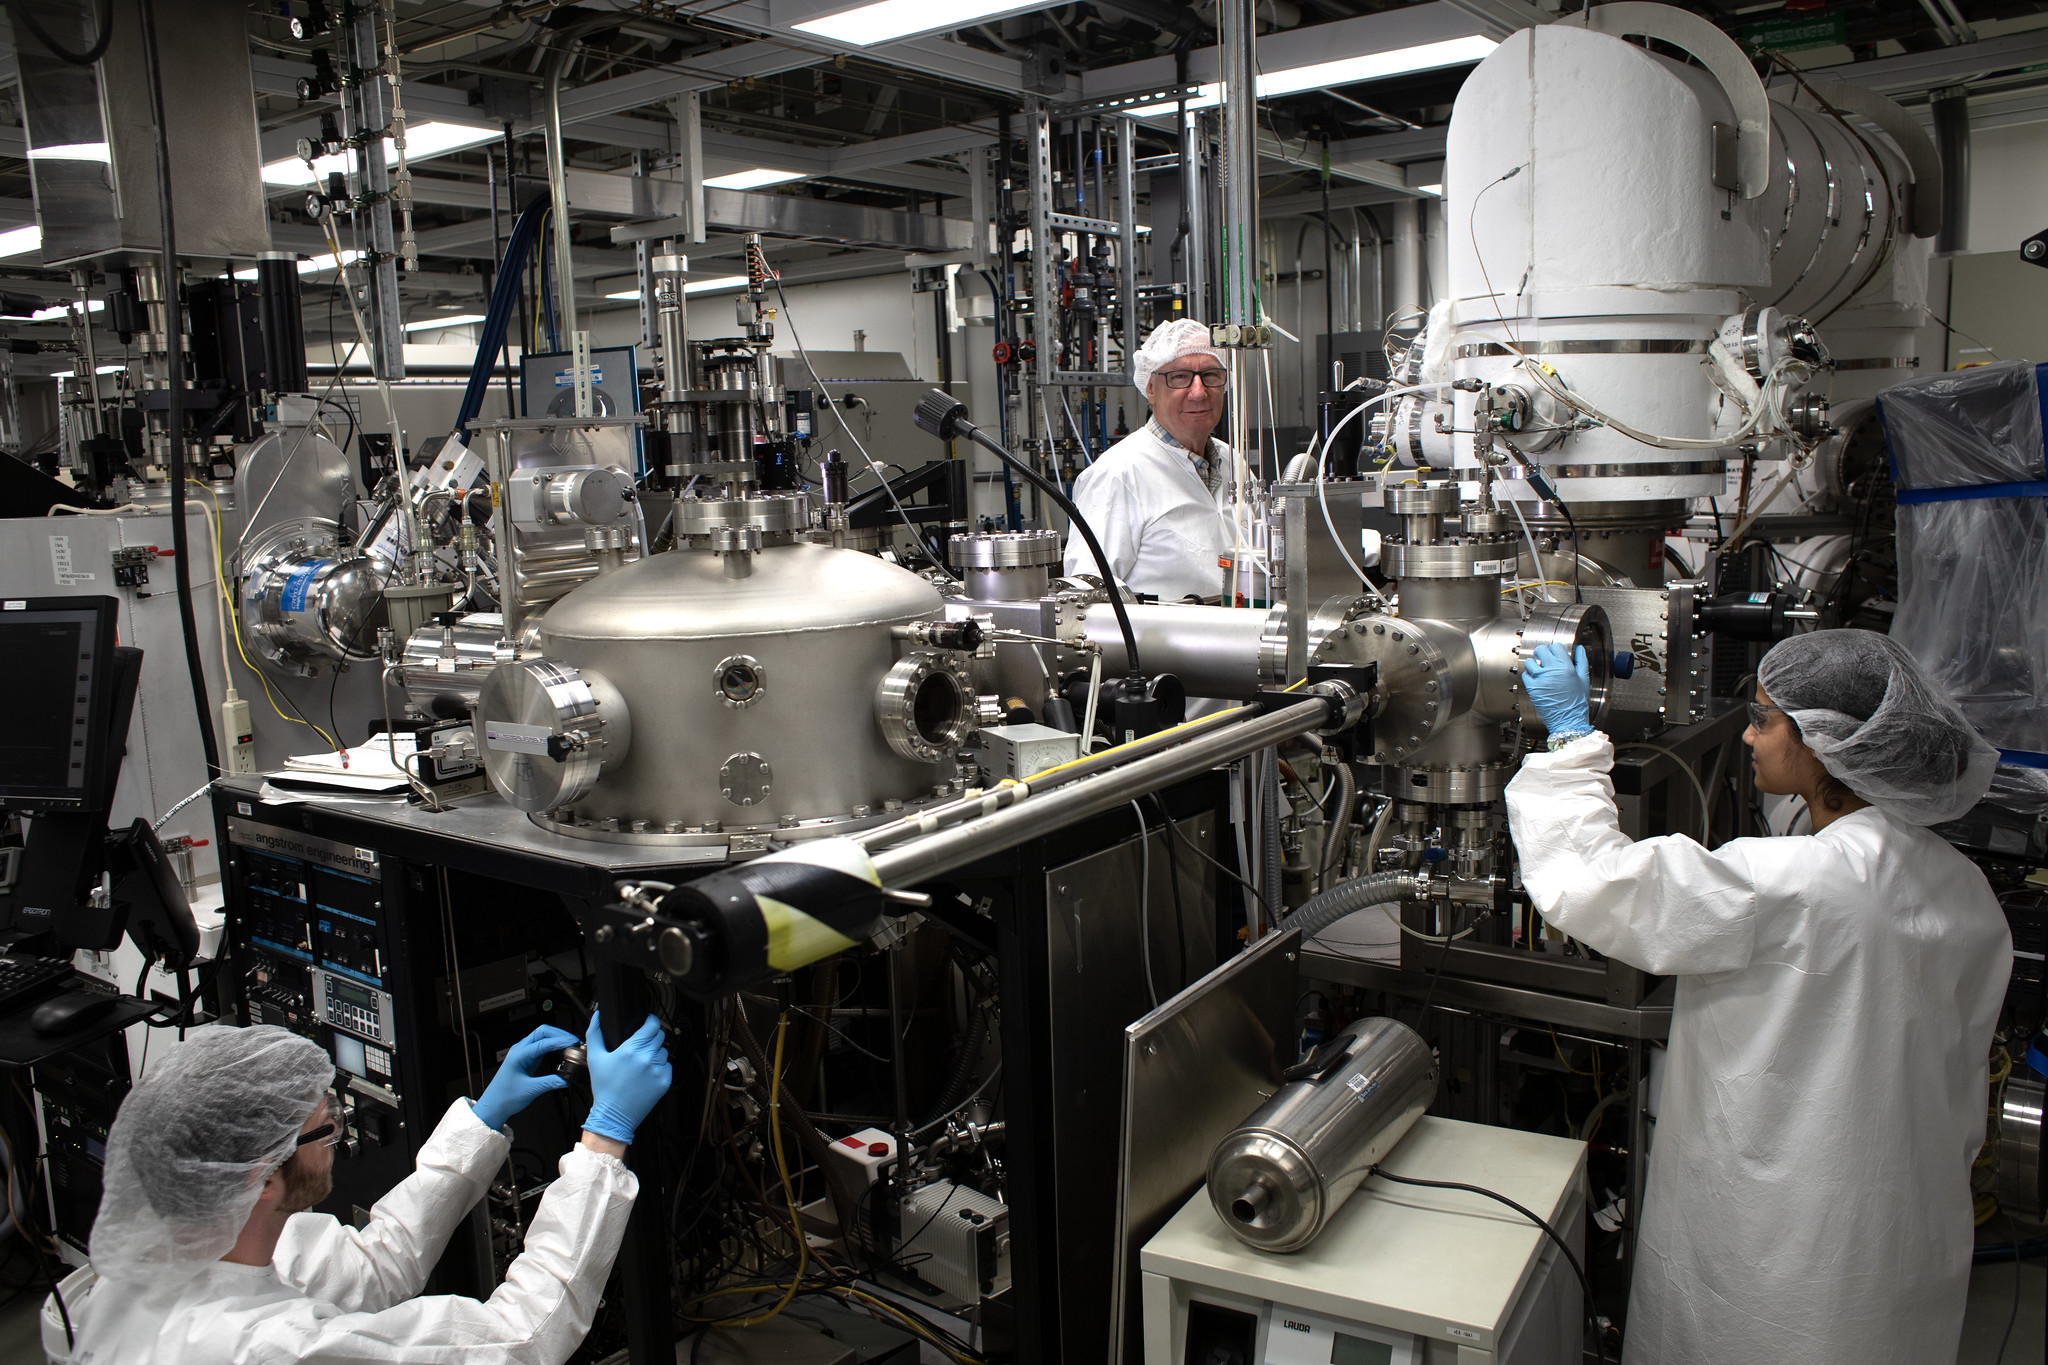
[
  {"x": 1824, "y": 1094},
  {"x": 1158, "y": 522},
  {"x": 333, "y": 1293}
]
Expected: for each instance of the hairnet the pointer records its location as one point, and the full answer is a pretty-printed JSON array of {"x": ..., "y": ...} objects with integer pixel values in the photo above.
[
  {"x": 1169, "y": 342},
  {"x": 1879, "y": 724},
  {"x": 192, "y": 1143}
]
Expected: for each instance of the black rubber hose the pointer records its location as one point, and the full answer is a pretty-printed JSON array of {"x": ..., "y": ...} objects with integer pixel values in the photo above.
[
  {"x": 1599, "y": 1345},
  {"x": 174, "y": 418},
  {"x": 25, "y": 16},
  {"x": 961, "y": 1081},
  {"x": 942, "y": 415}
]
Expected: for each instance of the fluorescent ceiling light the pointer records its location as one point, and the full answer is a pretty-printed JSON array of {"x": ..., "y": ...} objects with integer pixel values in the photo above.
[
  {"x": 1372, "y": 66},
  {"x": 20, "y": 241},
  {"x": 887, "y": 19},
  {"x": 693, "y": 286},
  {"x": 109, "y": 369},
  {"x": 758, "y": 178},
  {"x": 1437, "y": 189},
  {"x": 425, "y": 140},
  {"x": 431, "y": 324},
  {"x": 313, "y": 265},
  {"x": 72, "y": 151},
  {"x": 57, "y": 314}
]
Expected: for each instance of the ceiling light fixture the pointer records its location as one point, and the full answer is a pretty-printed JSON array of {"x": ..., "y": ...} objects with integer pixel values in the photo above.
[
  {"x": 58, "y": 313},
  {"x": 20, "y": 241},
  {"x": 759, "y": 178},
  {"x": 73, "y": 151},
  {"x": 1373, "y": 66},
  {"x": 434, "y": 324},
  {"x": 324, "y": 261},
  {"x": 884, "y": 20},
  {"x": 421, "y": 142},
  {"x": 693, "y": 286}
]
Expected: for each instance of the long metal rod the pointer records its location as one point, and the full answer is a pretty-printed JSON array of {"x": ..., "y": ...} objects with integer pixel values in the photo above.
[
  {"x": 935, "y": 818},
  {"x": 509, "y": 604},
  {"x": 936, "y": 854},
  {"x": 565, "y": 266}
]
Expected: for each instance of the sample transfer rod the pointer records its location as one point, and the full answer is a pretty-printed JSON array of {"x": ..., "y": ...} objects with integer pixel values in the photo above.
[
  {"x": 929, "y": 821},
  {"x": 935, "y": 854}
]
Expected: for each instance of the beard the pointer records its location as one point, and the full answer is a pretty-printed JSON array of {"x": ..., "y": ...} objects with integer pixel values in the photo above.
[{"x": 305, "y": 1187}]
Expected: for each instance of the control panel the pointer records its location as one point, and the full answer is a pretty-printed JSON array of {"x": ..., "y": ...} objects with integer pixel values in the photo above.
[
  {"x": 345, "y": 1001},
  {"x": 307, "y": 928}
]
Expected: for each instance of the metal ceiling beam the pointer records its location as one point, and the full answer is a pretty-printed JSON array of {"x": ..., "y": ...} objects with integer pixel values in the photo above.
[
  {"x": 1505, "y": 16},
  {"x": 1917, "y": 71},
  {"x": 1287, "y": 49},
  {"x": 1362, "y": 169},
  {"x": 1341, "y": 197},
  {"x": 1416, "y": 144},
  {"x": 657, "y": 204}
]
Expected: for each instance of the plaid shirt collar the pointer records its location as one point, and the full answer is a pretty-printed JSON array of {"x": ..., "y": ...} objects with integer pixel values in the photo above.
[{"x": 1203, "y": 463}]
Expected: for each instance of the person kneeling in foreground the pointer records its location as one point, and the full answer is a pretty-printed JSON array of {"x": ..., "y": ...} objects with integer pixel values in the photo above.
[
  {"x": 1824, "y": 1090},
  {"x": 204, "y": 1253}
]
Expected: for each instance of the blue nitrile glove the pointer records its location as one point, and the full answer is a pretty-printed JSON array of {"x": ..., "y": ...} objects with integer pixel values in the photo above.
[
  {"x": 1560, "y": 686},
  {"x": 516, "y": 1086},
  {"x": 625, "y": 1085}
]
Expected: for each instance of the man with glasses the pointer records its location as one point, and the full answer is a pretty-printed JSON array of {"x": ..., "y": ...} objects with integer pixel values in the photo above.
[
  {"x": 1824, "y": 1088},
  {"x": 204, "y": 1251},
  {"x": 1151, "y": 498}
]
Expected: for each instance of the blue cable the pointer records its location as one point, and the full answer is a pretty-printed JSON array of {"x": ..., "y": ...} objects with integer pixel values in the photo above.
[{"x": 504, "y": 303}]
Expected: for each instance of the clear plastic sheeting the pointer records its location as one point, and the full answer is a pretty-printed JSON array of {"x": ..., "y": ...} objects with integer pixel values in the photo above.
[
  {"x": 1968, "y": 460},
  {"x": 1973, "y": 608},
  {"x": 1966, "y": 428}
]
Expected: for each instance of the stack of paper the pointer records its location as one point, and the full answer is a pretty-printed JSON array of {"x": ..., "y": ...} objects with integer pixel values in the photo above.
[{"x": 366, "y": 768}]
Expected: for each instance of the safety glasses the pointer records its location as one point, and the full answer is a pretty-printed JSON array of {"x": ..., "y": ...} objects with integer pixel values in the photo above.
[
  {"x": 329, "y": 1133},
  {"x": 1181, "y": 379},
  {"x": 1760, "y": 713}
]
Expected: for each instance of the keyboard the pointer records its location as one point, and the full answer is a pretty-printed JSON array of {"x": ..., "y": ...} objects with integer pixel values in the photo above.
[{"x": 23, "y": 979}]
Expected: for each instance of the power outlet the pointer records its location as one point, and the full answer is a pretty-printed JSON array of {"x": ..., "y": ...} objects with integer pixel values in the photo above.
[{"x": 241, "y": 740}]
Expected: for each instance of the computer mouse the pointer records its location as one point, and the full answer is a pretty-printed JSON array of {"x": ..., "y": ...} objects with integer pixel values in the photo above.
[{"x": 68, "y": 1013}]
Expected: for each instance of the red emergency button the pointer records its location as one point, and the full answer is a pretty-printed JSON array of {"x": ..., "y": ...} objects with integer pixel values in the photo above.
[{"x": 878, "y": 1149}]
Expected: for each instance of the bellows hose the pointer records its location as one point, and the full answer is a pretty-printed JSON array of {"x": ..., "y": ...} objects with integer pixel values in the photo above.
[{"x": 1348, "y": 898}]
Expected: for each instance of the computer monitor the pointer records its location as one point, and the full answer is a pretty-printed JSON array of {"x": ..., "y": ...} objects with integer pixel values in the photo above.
[{"x": 57, "y": 752}]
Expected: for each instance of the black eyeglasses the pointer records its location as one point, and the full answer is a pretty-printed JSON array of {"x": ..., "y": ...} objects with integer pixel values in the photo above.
[
  {"x": 1760, "y": 712},
  {"x": 1181, "y": 379}
]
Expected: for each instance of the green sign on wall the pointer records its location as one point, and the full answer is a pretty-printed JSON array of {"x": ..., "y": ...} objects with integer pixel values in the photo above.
[{"x": 1797, "y": 35}]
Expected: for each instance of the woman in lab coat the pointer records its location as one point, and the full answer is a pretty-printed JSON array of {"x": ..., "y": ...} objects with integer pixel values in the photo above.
[
  {"x": 1825, "y": 1086},
  {"x": 1150, "y": 497}
]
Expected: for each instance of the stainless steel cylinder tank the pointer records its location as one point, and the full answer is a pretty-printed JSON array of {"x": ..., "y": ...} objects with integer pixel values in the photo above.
[
  {"x": 304, "y": 599},
  {"x": 756, "y": 700},
  {"x": 1005, "y": 566},
  {"x": 1280, "y": 1176}
]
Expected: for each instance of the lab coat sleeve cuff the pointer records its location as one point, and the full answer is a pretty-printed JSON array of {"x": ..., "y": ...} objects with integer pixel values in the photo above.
[{"x": 1589, "y": 753}]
